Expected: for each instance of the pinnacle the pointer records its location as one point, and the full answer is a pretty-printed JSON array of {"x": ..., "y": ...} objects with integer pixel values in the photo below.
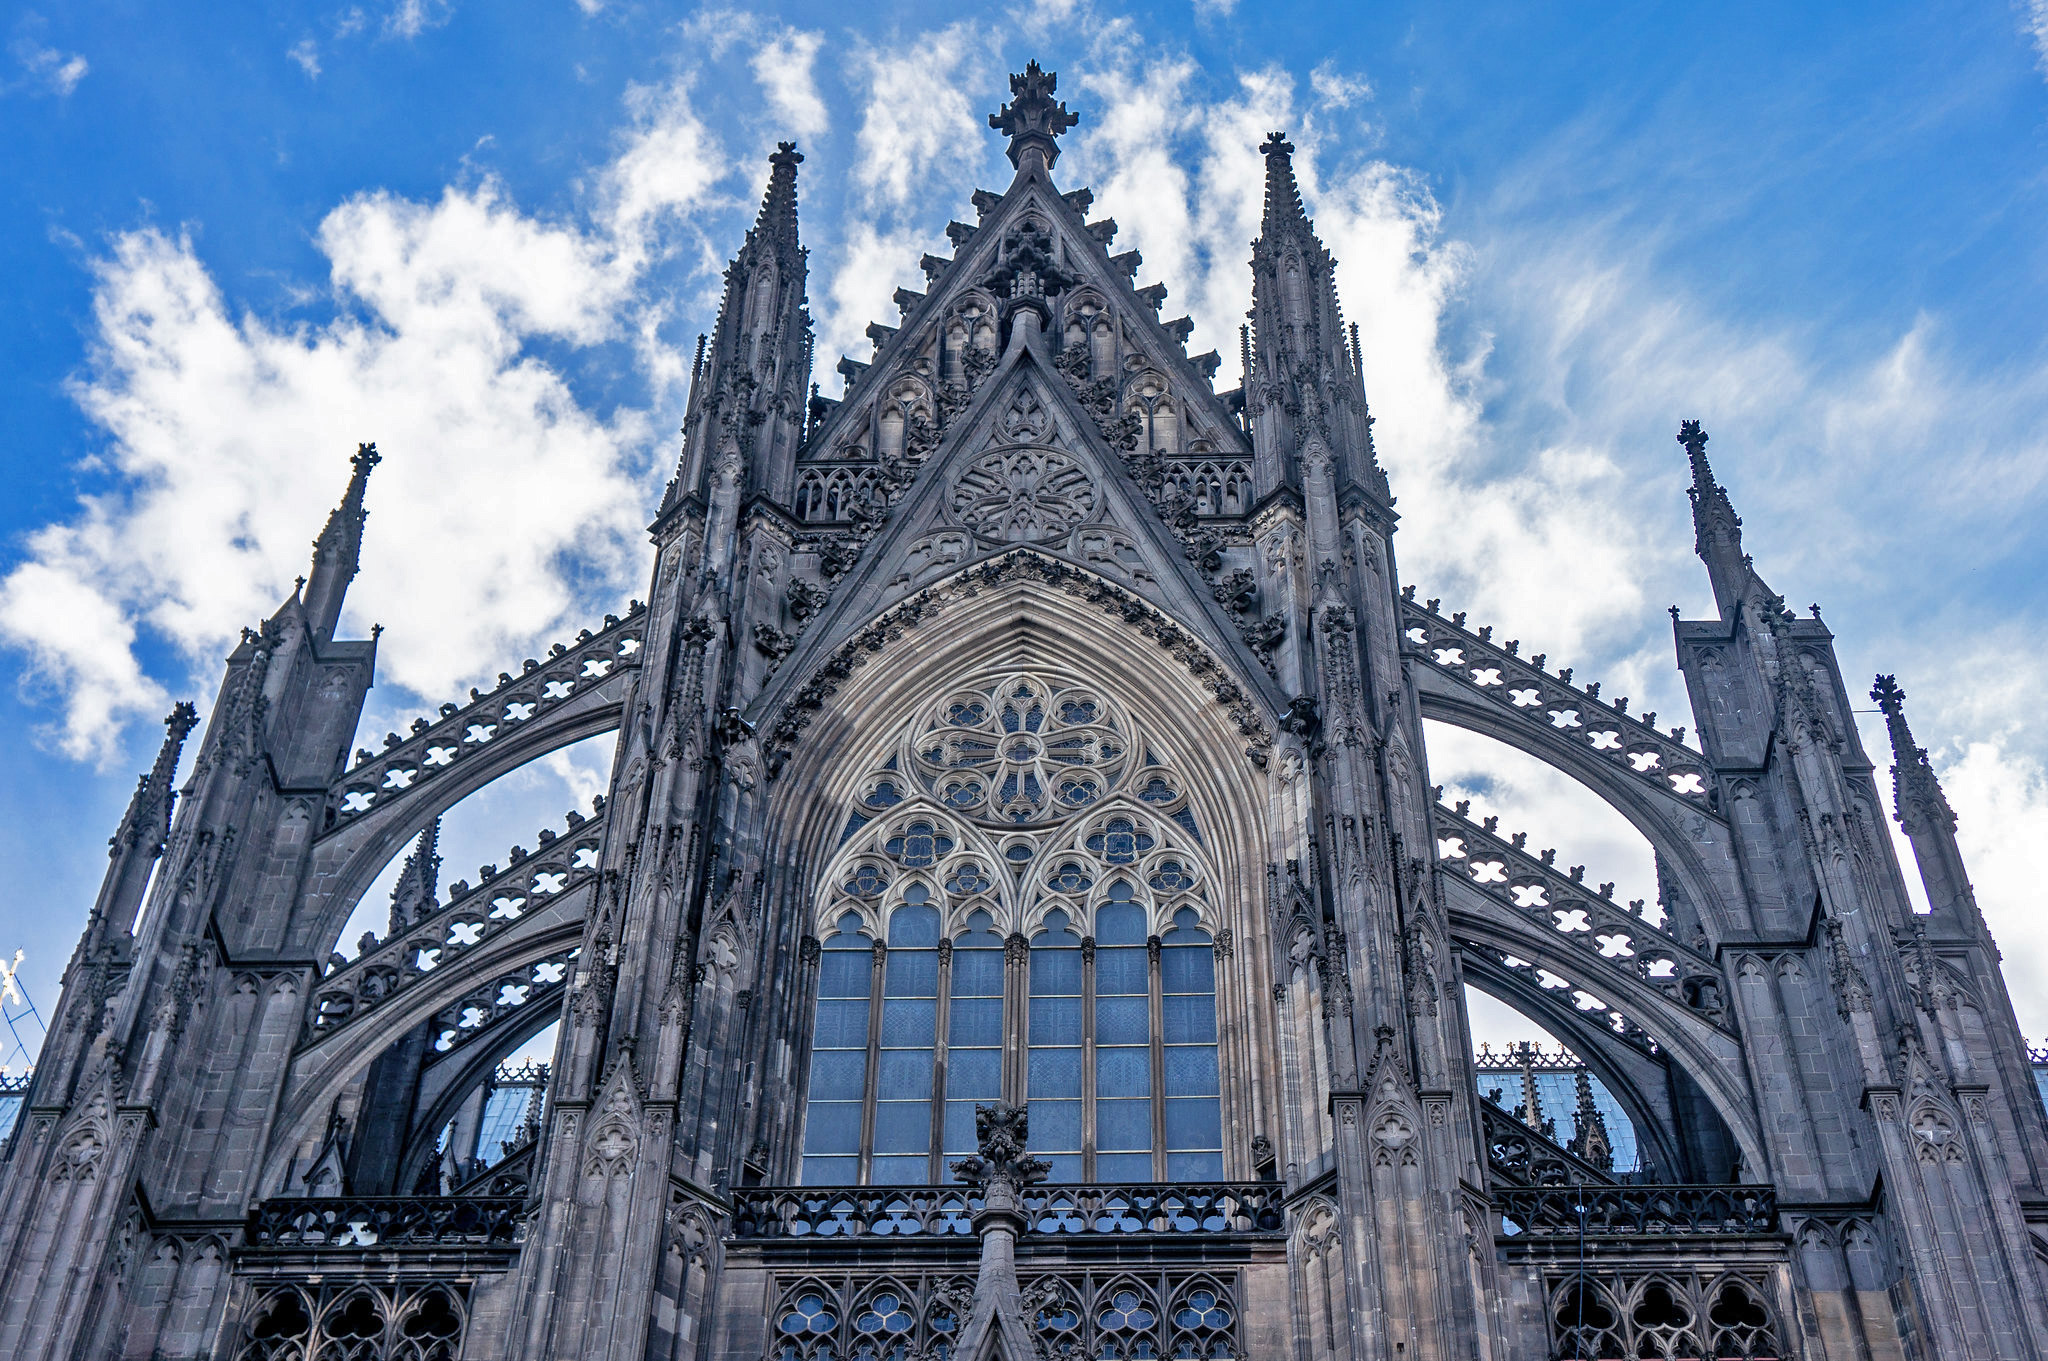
[
  {"x": 1033, "y": 119},
  {"x": 1283, "y": 195},
  {"x": 778, "y": 205}
]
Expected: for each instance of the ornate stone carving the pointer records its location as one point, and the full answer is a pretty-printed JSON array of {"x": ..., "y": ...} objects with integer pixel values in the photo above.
[{"x": 1024, "y": 495}]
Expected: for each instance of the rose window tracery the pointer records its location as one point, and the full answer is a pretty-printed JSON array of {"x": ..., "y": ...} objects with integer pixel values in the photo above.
[
  {"x": 1023, "y": 751},
  {"x": 1023, "y": 495}
]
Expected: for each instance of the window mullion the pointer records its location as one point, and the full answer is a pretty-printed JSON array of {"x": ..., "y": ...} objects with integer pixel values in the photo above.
[
  {"x": 1156, "y": 1008},
  {"x": 1016, "y": 1013},
  {"x": 874, "y": 1069},
  {"x": 940, "y": 1040},
  {"x": 1088, "y": 1058}
]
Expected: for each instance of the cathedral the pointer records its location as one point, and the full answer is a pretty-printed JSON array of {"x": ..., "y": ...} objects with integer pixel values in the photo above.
[{"x": 1021, "y": 923}]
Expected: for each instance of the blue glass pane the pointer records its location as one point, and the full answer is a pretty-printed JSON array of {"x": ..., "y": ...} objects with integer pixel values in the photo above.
[
  {"x": 1194, "y": 1124},
  {"x": 1185, "y": 969},
  {"x": 908, "y": 1023},
  {"x": 1123, "y": 1124},
  {"x": 1121, "y": 971},
  {"x": 1125, "y": 1167},
  {"x": 1123, "y": 1072},
  {"x": 842, "y": 1025},
  {"x": 974, "y": 1073},
  {"x": 1123, "y": 1020},
  {"x": 960, "y": 1134},
  {"x": 1191, "y": 1071},
  {"x": 1055, "y": 1020},
  {"x": 1194, "y": 1167},
  {"x": 915, "y": 1171},
  {"x": 911, "y": 973},
  {"x": 903, "y": 1126},
  {"x": 838, "y": 1074},
  {"x": 1055, "y": 971},
  {"x": 905, "y": 1075},
  {"x": 1054, "y": 1072},
  {"x": 976, "y": 1020},
  {"x": 843, "y": 973},
  {"x": 1066, "y": 1169},
  {"x": 1120, "y": 924},
  {"x": 913, "y": 926},
  {"x": 1055, "y": 1124},
  {"x": 1188, "y": 1020},
  {"x": 832, "y": 1127},
  {"x": 831, "y": 1171},
  {"x": 977, "y": 973}
]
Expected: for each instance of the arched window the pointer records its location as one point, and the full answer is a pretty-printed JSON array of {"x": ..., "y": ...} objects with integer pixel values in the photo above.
[{"x": 1016, "y": 912}]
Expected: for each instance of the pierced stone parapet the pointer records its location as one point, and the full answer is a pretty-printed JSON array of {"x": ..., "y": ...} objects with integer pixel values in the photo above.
[
  {"x": 1637, "y": 1211},
  {"x": 828, "y": 1212},
  {"x": 438, "y": 746},
  {"x": 1532, "y": 696},
  {"x": 474, "y": 917},
  {"x": 358, "y": 1223},
  {"x": 1590, "y": 923}
]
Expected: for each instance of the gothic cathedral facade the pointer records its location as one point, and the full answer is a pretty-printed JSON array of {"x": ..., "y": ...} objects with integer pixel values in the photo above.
[{"x": 1021, "y": 922}]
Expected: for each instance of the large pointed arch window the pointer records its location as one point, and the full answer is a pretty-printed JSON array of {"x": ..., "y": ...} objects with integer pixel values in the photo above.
[{"x": 1019, "y": 909}]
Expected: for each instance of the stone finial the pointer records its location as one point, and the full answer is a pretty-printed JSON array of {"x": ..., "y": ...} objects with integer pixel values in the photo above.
[
  {"x": 777, "y": 221},
  {"x": 1000, "y": 1132},
  {"x": 1283, "y": 195},
  {"x": 1033, "y": 119}
]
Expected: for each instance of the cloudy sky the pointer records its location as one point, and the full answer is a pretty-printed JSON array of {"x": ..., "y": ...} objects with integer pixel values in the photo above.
[{"x": 238, "y": 241}]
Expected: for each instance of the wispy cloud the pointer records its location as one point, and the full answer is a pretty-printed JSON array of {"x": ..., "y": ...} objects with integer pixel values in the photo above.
[
  {"x": 2035, "y": 17},
  {"x": 306, "y": 53},
  {"x": 784, "y": 68},
  {"x": 409, "y": 18},
  {"x": 46, "y": 69}
]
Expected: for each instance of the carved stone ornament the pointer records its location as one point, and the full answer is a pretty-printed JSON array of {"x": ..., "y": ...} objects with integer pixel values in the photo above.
[{"x": 1023, "y": 495}]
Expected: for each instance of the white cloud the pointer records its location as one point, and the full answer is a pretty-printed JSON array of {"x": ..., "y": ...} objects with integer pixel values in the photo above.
[
  {"x": 2036, "y": 19},
  {"x": 410, "y": 18},
  {"x": 228, "y": 435},
  {"x": 1334, "y": 89},
  {"x": 784, "y": 68},
  {"x": 306, "y": 53},
  {"x": 350, "y": 22},
  {"x": 918, "y": 111},
  {"x": 55, "y": 71},
  {"x": 2001, "y": 800}
]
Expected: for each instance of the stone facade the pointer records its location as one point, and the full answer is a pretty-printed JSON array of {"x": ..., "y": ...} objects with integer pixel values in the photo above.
[{"x": 1030, "y": 637}]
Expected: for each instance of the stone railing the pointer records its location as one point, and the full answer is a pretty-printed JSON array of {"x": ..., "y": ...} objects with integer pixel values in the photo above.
[
  {"x": 1636, "y": 1211},
  {"x": 1200, "y": 1209},
  {"x": 366, "y": 1222},
  {"x": 1525, "y": 691},
  {"x": 438, "y": 745},
  {"x": 1520, "y": 1156},
  {"x": 473, "y": 917}
]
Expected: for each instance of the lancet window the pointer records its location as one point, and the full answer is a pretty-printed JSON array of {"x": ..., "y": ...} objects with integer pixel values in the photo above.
[{"x": 1020, "y": 909}]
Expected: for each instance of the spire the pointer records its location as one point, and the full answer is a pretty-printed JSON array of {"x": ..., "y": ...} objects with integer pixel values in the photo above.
[
  {"x": 337, "y": 553},
  {"x": 1033, "y": 119},
  {"x": 748, "y": 384},
  {"x": 1304, "y": 390},
  {"x": 1717, "y": 529},
  {"x": 148, "y": 821},
  {"x": 777, "y": 221},
  {"x": 418, "y": 893},
  {"x": 1283, "y": 195},
  {"x": 1590, "y": 1139}
]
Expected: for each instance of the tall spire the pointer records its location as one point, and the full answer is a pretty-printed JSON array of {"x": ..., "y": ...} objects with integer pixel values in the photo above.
[
  {"x": 746, "y": 407},
  {"x": 337, "y": 553},
  {"x": 418, "y": 889},
  {"x": 1283, "y": 195},
  {"x": 1033, "y": 119},
  {"x": 1717, "y": 529},
  {"x": 144, "y": 829}
]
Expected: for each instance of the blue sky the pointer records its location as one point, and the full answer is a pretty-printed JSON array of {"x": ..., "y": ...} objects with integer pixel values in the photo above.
[{"x": 240, "y": 238}]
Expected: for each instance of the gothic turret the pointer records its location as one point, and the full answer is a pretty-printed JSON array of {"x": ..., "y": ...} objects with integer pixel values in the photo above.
[
  {"x": 418, "y": 889},
  {"x": 140, "y": 840},
  {"x": 1305, "y": 386},
  {"x": 748, "y": 389},
  {"x": 337, "y": 553}
]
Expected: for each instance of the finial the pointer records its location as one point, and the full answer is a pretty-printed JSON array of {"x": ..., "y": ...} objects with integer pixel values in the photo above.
[
  {"x": 1033, "y": 119},
  {"x": 1888, "y": 695},
  {"x": 1694, "y": 440}
]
